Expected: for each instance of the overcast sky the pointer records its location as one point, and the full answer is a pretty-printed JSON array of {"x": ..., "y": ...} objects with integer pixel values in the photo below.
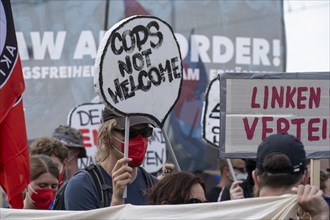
[{"x": 307, "y": 30}]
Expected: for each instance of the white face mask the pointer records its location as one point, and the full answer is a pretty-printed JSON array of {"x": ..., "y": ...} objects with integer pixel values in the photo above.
[{"x": 241, "y": 176}]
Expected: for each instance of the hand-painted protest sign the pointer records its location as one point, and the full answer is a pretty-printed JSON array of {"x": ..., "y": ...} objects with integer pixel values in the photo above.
[
  {"x": 155, "y": 156},
  {"x": 86, "y": 117},
  {"x": 211, "y": 113},
  {"x": 254, "y": 106},
  {"x": 138, "y": 69}
]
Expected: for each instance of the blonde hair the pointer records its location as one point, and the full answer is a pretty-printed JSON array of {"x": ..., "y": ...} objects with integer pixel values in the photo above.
[
  {"x": 104, "y": 140},
  {"x": 167, "y": 169}
]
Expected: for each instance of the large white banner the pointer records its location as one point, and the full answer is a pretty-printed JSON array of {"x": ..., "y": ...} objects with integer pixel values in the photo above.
[
  {"x": 279, "y": 207},
  {"x": 58, "y": 43}
]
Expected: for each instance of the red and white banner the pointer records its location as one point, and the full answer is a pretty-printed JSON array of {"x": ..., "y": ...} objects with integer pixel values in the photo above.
[{"x": 14, "y": 156}]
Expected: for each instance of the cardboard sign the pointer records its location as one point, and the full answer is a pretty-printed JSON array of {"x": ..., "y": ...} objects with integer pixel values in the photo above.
[
  {"x": 211, "y": 113},
  {"x": 138, "y": 69},
  {"x": 86, "y": 118},
  {"x": 254, "y": 106}
]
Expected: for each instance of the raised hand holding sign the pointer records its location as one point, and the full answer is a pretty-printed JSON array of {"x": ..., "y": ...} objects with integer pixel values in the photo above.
[{"x": 138, "y": 72}]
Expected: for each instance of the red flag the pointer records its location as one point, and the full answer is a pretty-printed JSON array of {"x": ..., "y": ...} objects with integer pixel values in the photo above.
[
  {"x": 133, "y": 7},
  {"x": 14, "y": 156}
]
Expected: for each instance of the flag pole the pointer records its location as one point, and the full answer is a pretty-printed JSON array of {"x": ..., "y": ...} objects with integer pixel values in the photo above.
[{"x": 168, "y": 144}]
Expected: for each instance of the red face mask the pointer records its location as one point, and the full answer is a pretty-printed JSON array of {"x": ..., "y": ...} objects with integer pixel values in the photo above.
[
  {"x": 42, "y": 198},
  {"x": 137, "y": 148}
]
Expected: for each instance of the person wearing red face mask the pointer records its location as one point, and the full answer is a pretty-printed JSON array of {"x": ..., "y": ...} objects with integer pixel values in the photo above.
[
  {"x": 117, "y": 171},
  {"x": 56, "y": 150},
  {"x": 44, "y": 178}
]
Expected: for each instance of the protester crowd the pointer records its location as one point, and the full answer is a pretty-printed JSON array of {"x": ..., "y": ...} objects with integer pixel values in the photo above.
[{"x": 280, "y": 167}]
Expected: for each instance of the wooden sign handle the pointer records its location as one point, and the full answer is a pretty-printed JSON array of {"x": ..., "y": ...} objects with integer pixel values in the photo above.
[{"x": 315, "y": 172}]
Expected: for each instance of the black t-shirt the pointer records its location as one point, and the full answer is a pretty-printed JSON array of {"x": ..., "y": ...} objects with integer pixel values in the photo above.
[{"x": 213, "y": 194}]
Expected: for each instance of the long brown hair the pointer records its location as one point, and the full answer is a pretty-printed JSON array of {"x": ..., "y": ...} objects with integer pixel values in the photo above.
[{"x": 40, "y": 164}]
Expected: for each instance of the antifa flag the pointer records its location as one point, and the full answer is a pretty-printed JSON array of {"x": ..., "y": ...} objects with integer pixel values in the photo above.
[{"x": 14, "y": 156}]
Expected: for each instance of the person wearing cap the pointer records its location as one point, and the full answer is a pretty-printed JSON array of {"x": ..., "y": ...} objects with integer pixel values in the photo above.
[
  {"x": 73, "y": 140},
  {"x": 281, "y": 168},
  {"x": 117, "y": 171}
]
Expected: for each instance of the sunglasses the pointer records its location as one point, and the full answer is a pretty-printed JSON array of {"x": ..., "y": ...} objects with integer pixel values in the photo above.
[
  {"x": 194, "y": 200},
  {"x": 144, "y": 132}
]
